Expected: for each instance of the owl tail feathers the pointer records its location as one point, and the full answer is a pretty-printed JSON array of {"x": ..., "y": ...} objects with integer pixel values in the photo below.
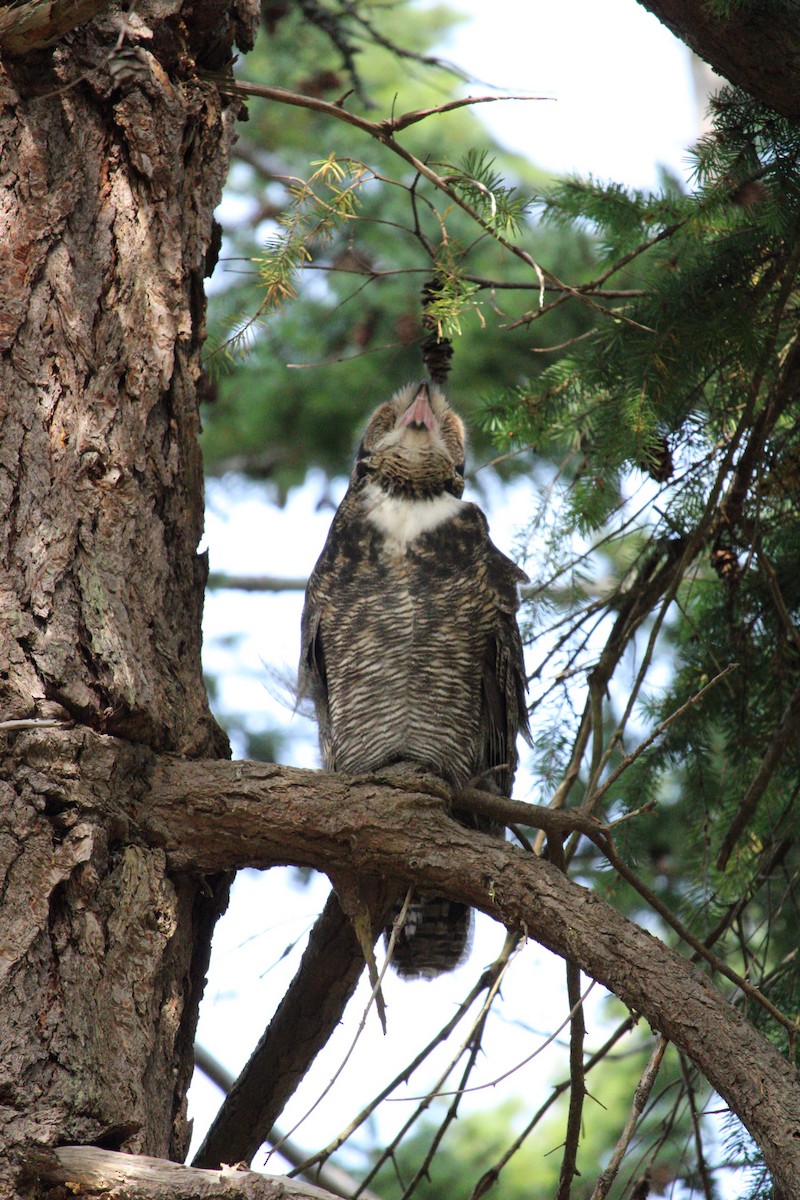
[{"x": 436, "y": 937}]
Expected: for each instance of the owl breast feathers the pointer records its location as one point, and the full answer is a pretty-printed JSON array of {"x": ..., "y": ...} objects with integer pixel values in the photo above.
[{"x": 410, "y": 646}]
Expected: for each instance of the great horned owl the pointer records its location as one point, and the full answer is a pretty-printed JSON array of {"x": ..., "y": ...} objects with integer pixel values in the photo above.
[{"x": 410, "y": 645}]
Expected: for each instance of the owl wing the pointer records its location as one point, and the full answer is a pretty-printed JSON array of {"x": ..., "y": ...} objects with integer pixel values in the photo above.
[
  {"x": 503, "y": 682},
  {"x": 312, "y": 673}
]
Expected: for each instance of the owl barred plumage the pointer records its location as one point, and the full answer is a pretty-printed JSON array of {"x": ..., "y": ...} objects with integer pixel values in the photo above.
[{"x": 410, "y": 646}]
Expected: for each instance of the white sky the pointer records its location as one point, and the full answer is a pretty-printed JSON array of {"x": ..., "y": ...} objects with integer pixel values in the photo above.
[
  {"x": 621, "y": 84},
  {"x": 623, "y": 106}
]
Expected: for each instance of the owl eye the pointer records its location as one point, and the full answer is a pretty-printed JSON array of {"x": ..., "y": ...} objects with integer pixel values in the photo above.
[{"x": 361, "y": 469}]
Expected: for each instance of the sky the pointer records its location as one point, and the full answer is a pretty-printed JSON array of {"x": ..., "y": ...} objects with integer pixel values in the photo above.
[
  {"x": 622, "y": 106},
  {"x": 621, "y": 86}
]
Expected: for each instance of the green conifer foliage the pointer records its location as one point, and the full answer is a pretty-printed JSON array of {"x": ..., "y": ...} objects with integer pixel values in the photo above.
[{"x": 676, "y": 425}]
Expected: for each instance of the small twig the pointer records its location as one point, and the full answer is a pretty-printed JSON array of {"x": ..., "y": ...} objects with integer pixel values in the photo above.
[
  {"x": 476, "y": 1041},
  {"x": 482, "y": 984},
  {"x": 395, "y": 124},
  {"x": 789, "y": 626},
  {"x": 220, "y": 581},
  {"x": 376, "y": 988},
  {"x": 336, "y": 359},
  {"x": 480, "y": 1087},
  {"x": 631, "y": 758},
  {"x": 564, "y": 345},
  {"x": 633, "y": 814},
  {"x": 577, "y": 1083},
  {"x": 424, "y": 1102},
  {"x": 330, "y": 1175},
  {"x": 577, "y": 1078},
  {"x": 36, "y": 723},
  {"x": 489, "y": 1178},
  {"x": 645, "y": 1086},
  {"x": 702, "y": 1166},
  {"x": 784, "y": 736}
]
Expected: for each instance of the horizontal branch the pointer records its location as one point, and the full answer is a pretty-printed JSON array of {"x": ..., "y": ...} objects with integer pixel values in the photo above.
[
  {"x": 213, "y": 816},
  {"x": 220, "y": 581},
  {"x": 89, "y": 1171},
  {"x": 37, "y": 23}
]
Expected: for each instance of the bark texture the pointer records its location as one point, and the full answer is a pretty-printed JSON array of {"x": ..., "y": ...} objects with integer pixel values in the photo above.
[
  {"x": 112, "y": 1176},
  {"x": 106, "y": 217},
  {"x": 105, "y": 223},
  {"x": 754, "y": 45}
]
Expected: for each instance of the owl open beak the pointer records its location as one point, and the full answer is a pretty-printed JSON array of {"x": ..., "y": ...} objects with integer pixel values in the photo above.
[{"x": 419, "y": 413}]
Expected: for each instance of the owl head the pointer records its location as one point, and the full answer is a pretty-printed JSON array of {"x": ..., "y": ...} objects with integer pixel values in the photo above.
[{"x": 413, "y": 445}]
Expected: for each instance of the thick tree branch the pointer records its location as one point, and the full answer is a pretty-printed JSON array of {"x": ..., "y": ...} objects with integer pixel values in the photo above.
[
  {"x": 211, "y": 816},
  {"x": 89, "y": 1171},
  {"x": 755, "y": 46},
  {"x": 37, "y": 23},
  {"x": 332, "y": 822}
]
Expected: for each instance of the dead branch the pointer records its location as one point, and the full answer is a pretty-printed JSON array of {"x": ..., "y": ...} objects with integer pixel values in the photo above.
[
  {"x": 577, "y": 1075},
  {"x": 489, "y": 979},
  {"x": 32, "y": 25},
  {"x": 490, "y": 1177},
  {"x": 110, "y": 1175}
]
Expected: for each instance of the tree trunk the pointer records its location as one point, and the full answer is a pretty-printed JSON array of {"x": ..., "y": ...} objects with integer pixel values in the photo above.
[{"x": 105, "y": 225}]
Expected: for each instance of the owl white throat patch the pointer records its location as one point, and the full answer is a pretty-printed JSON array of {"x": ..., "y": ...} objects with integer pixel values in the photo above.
[{"x": 403, "y": 519}]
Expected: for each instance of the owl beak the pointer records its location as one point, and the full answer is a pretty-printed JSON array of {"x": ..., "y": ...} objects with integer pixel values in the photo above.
[{"x": 419, "y": 413}]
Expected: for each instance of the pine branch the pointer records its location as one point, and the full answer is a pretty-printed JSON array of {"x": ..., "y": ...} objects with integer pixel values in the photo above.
[
  {"x": 784, "y": 738},
  {"x": 384, "y": 131},
  {"x": 488, "y": 981},
  {"x": 221, "y": 581}
]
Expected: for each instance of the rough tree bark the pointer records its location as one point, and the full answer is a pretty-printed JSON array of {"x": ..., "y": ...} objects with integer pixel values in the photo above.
[
  {"x": 109, "y": 186},
  {"x": 754, "y": 45}
]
